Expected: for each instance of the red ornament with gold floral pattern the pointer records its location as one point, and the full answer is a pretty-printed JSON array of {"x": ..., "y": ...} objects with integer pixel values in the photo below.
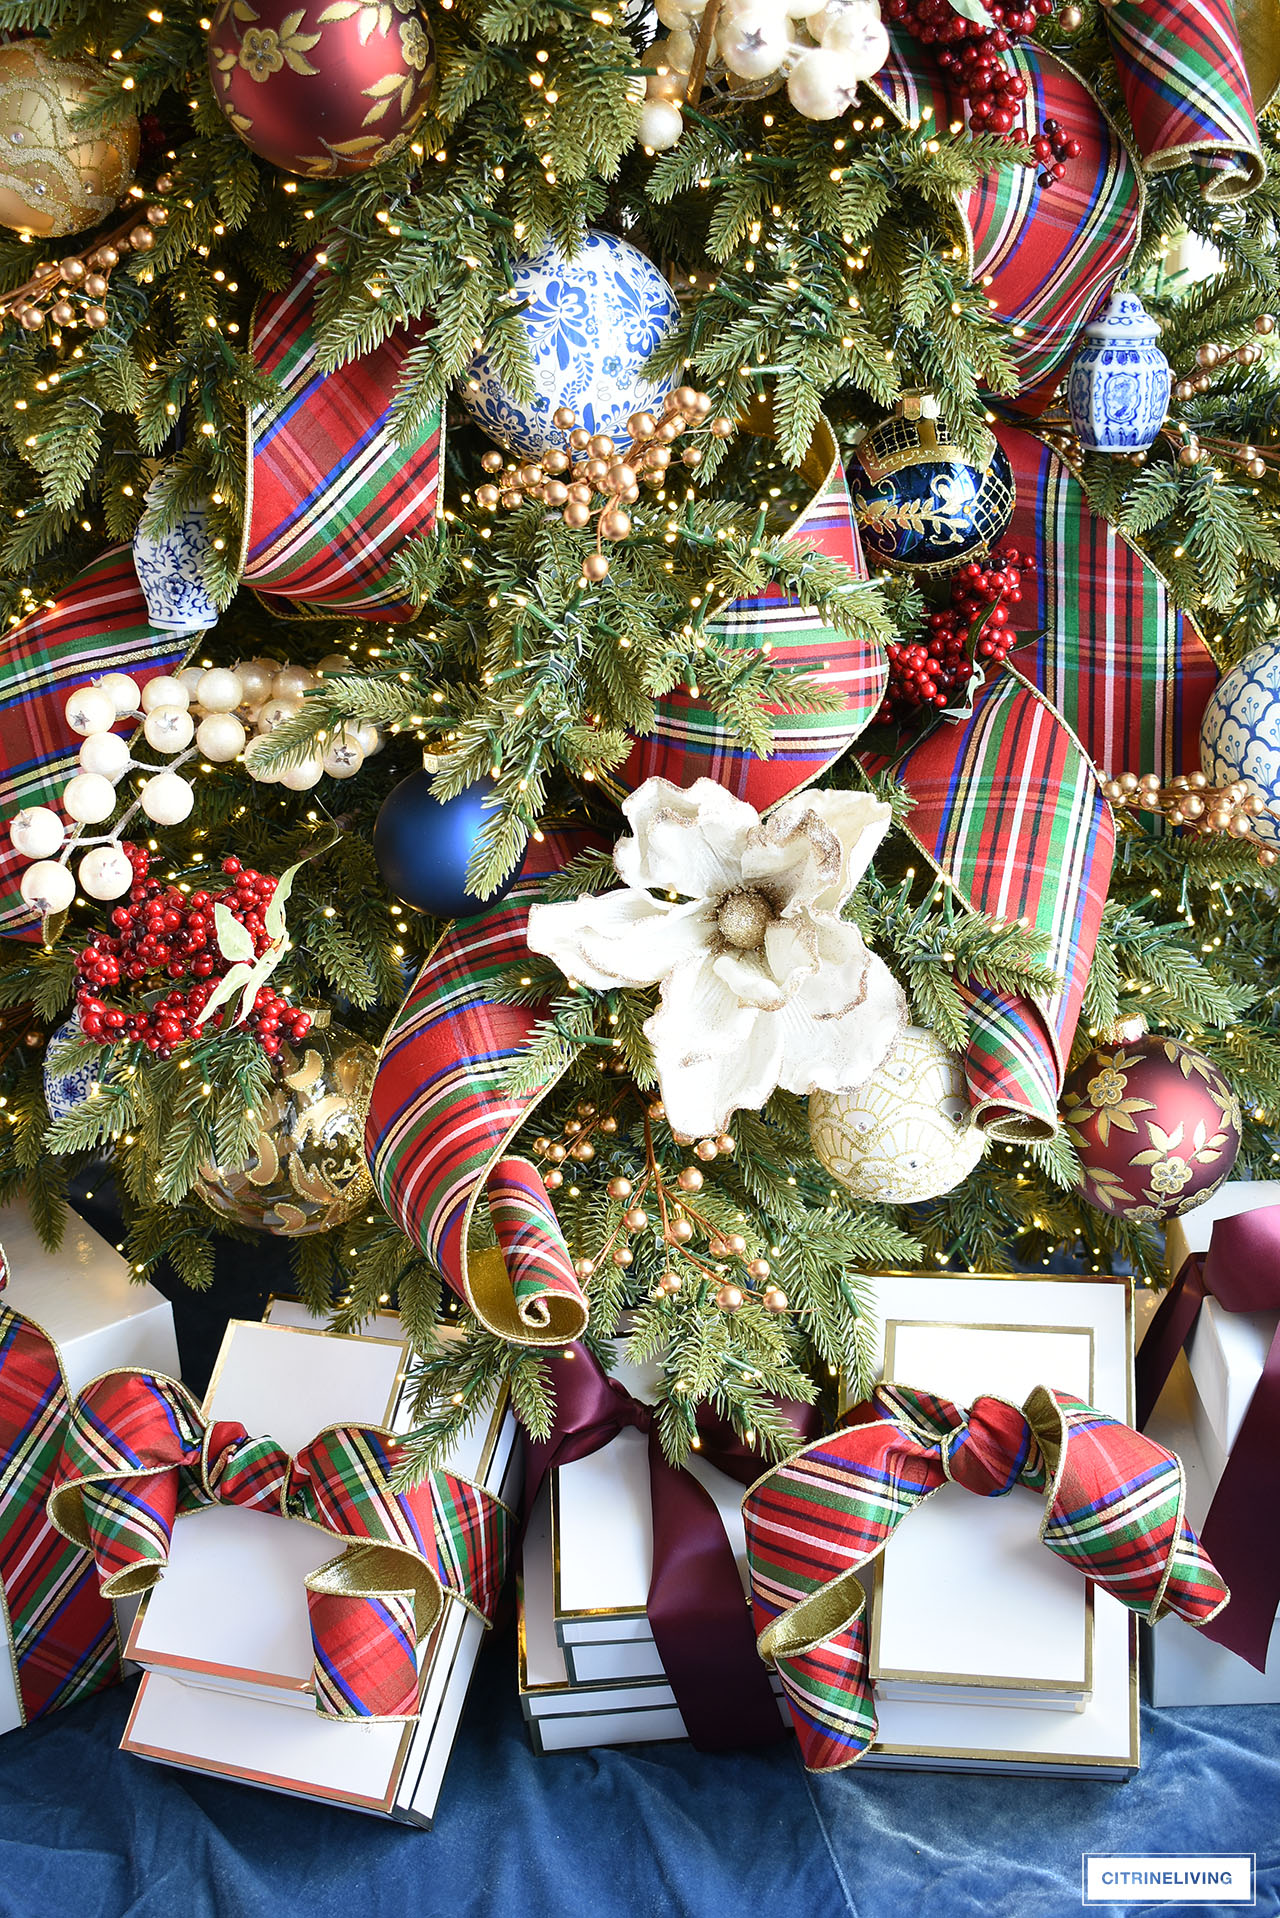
[
  {"x": 326, "y": 88},
  {"x": 1156, "y": 1125}
]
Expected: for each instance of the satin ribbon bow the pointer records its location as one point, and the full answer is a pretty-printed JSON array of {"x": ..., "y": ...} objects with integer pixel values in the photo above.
[
  {"x": 1113, "y": 1507},
  {"x": 139, "y": 1452},
  {"x": 1241, "y": 1270},
  {"x": 696, "y": 1609}
]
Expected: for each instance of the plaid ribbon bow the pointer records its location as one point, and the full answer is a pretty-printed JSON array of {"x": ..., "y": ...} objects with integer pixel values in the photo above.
[
  {"x": 1113, "y": 1507},
  {"x": 62, "y": 1632},
  {"x": 138, "y": 1453}
]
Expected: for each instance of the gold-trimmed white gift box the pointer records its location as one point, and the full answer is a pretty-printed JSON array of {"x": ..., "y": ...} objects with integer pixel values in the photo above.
[
  {"x": 989, "y": 1653},
  {"x": 85, "y": 1298},
  {"x": 225, "y": 1635},
  {"x": 1018, "y": 1629},
  {"x": 1199, "y": 1416}
]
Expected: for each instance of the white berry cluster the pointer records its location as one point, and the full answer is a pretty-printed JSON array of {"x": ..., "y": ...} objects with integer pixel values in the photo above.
[
  {"x": 201, "y": 711},
  {"x": 824, "y": 48}
]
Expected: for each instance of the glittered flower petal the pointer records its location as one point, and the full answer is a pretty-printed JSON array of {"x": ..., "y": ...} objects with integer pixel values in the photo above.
[
  {"x": 684, "y": 841},
  {"x": 618, "y": 938}
]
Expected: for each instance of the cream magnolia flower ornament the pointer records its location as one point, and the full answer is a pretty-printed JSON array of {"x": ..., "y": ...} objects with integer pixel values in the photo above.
[{"x": 738, "y": 919}]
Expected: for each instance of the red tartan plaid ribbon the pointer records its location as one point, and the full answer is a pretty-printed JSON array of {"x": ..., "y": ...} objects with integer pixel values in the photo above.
[
  {"x": 1113, "y": 1508},
  {"x": 1010, "y": 811},
  {"x": 335, "y": 488},
  {"x": 1187, "y": 90},
  {"x": 138, "y": 1453},
  {"x": 1046, "y": 256},
  {"x": 97, "y": 625},
  {"x": 692, "y": 740},
  {"x": 1008, "y": 805},
  {"x": 61, "y": 1632},
  {"x": 441, "y": 1118},
  {"x": 1127, "y": 671}
]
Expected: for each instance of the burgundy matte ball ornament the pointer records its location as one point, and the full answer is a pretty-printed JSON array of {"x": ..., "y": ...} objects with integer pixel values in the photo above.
[
  {"x": 1156, "y": 1125},
  {"x": 322, "y": 89}
]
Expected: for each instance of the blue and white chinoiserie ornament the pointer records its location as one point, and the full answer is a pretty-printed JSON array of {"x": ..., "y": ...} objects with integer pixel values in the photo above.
[
  {"x": 1240, "y": 734},
  {"x": 921, "y": 504},
  {"x": 1118, "y": 392},
  {"x": 169, "y": 568},
  {"x": 591, "y": 323},
  {"x": 65, "y": 1092}
]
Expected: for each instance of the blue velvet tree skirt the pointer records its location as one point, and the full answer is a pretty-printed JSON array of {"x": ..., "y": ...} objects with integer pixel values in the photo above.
[{"x": 651, "y": 1832}]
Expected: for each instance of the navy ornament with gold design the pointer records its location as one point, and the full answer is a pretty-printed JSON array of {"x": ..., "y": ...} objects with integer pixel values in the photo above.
[{"x": 922, "y": 505}]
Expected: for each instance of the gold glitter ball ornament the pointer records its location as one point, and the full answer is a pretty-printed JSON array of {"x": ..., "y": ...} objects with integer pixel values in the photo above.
[
  {"x": 56, "y": 178},
  {"x": 308, "y": 1171},
  {"x": 907, "y": 1134}
]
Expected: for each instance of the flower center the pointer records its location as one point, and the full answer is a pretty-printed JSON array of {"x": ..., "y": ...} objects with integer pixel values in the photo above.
[{"x": 744, "y": 918}]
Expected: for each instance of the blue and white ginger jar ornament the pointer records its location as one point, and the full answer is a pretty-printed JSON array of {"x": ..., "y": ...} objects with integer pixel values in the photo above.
[
  {"x": 65, "y": 1092},
  {"x": 169, "y": 569},
  {"x": 921, "y": 504},
  {"x": 1118, "y": 392},
  {"x": 1240, "y": 734},
  {"x": 591, "y": 323}
]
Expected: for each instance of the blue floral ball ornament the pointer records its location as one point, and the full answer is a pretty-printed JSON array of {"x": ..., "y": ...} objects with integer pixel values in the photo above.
[
  {"x": 591, "y": 323},
  {"x": 1118, "y": 391},
  {"x": 922, "y": 505},
  {"x": 1240, "y": 734}
]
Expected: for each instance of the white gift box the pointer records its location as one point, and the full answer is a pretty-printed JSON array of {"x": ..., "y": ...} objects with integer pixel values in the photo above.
[
  {"x": 225, "y": 1634},
  {"x": 568, "y": 1714},
  {"x": 970, "y": 1610},
  {"x": 601, "y": 1528},
  {"x": 1227, "y": 1350},
  {"x": 85, "y": 1298},
  {"x": 626, "y": 1704},
  {"x": 1019, "y": 1627},
  {"x": 1186, "y": 1667}
]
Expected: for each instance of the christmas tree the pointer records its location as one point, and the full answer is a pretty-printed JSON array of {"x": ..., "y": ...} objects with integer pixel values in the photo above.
[{"x": 578, "y": 399}]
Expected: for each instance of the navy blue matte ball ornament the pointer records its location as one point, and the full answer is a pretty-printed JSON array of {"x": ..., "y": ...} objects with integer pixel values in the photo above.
[
  {"x": 423, "y": 844},
  {"x": 921, "y": 503}
]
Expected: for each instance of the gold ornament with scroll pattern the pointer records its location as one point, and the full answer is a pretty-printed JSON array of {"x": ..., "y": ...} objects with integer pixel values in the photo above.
[{"x": 309, "y": 1171}]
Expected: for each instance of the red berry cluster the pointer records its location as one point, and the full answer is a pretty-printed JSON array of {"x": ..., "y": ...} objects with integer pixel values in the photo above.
[
  {"x": 1053, "y": 149},
  {"x": 936, "y": 671},
  {"x": 165, "y": 934},
  {"x": 969, "y": 54}
]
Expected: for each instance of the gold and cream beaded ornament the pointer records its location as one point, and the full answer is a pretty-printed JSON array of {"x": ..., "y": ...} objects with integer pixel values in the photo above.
[
  {"x": 1189, "y": 801},
  {"x": 907, "y": 1134},
  {"x": 198, "y": 713},
  {"x": 598, "y": 479}
]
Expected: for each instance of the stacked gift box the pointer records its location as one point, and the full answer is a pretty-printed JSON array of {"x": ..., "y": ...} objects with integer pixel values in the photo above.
[
  {"x": 590, "y": 1671},
  {"x": 987, "y": 1652},
  {"x": 1199, "y": 1415},
  {"x": 224, "y": 1637}
]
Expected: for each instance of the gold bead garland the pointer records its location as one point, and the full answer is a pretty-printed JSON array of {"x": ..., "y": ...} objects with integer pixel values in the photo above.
[
  {"x": 1189, "y": 801},
  {"x": 594, "y": 478},
  {"x": 87, "y": 276}
]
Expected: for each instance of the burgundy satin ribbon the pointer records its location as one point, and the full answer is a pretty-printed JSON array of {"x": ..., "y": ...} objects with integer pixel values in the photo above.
[
  {"x": 696, "y": 1606},
  {"x": 1242, "y": 1532}
]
